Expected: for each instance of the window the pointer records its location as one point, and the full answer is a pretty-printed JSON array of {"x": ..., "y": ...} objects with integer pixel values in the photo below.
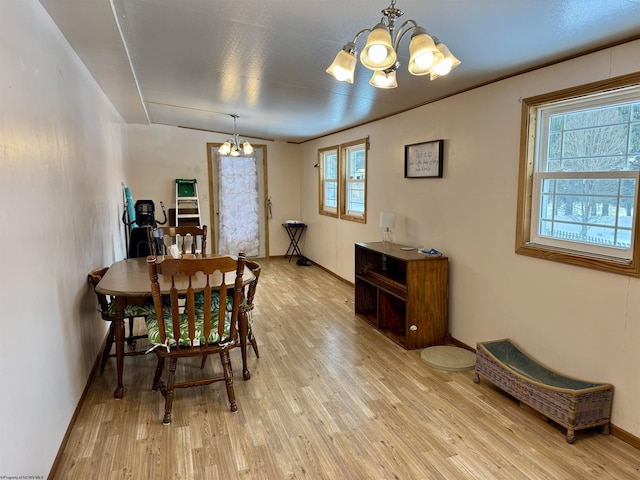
[
  {"x": 344, "y": 196},
  {"x": 579, "y": 176},
  {"x": 328, "y": 175},
  {"x": 354, "y": 162}
]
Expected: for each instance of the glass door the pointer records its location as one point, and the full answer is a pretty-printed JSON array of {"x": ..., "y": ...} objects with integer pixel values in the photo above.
[{"x": 238, "y": 203}]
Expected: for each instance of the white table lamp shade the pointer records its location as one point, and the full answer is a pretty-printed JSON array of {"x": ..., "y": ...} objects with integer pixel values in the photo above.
[{"x": 387, "y": 219}]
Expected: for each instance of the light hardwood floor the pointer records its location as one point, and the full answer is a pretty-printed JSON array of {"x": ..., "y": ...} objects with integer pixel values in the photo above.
[{"x": 330, "y": 398}]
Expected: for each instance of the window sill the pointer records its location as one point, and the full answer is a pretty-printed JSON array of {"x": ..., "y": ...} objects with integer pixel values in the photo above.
[
  {"x": 351, "y": 218},
  {"x": 581, "y": 259}
]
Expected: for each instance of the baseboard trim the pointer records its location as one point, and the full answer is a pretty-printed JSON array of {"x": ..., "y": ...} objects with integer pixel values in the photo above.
[
  {"x": 315, "y": 264},
  {"x": 625, "y": 436},
  {"x": 460, "y": 344},
  {"x": 343, "y": 280}
]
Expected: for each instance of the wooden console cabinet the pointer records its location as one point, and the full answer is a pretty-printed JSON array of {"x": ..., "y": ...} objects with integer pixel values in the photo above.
[{"x": 404, "y": 294}]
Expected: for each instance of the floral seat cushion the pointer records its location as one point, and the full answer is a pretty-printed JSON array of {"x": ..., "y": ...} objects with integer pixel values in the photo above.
[
  {"x": 139, "y": 310},
  {"x": 154, "y": 329}
]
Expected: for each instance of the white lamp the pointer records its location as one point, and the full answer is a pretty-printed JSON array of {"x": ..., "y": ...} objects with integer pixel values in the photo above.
[{"x": 387, "y": 221}]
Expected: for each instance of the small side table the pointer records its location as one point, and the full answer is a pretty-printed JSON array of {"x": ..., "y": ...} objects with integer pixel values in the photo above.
[{"x": 295, "y": 231}]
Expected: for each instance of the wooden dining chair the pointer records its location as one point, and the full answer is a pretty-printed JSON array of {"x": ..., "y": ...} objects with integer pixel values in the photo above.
[
  {"x": 138, "y": 307},
  {"x": 249, "y": 296},
  {"x": 192, "y": 239},
  {"x": 201, "y": 328}
]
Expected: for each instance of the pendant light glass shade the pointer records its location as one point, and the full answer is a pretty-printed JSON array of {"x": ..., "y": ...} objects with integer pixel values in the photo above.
[
  {"x": 225, "y": 148},
  {"x": 423, "y": 53},
  {"x": 378, "y": 53},
  {"x": 384, "y": 79},
  {"x": 444, "y": 66},
  {"x": 247, "y": 149},
  {"x": 344, "y": 65}
]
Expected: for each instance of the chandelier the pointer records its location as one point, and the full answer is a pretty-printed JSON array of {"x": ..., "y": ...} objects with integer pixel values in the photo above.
[
  {"x": 427, "y": 54},
  {"x": 234, "y": 145}
]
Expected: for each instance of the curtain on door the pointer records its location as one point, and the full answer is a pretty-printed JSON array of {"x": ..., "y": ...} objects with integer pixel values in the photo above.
[{"x": 238, "y": 203}]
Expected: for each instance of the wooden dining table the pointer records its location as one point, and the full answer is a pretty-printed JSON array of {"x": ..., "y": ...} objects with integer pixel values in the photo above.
[{"x": 127, "y": 281}]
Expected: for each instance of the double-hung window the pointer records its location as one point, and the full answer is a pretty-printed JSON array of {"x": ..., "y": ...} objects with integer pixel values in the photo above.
[
  {"x": 342, "y": 181},
  {"x": 328, "y": 176},
  {"x": 354, "y": 166},
  {"x": 579, "y": 176}
]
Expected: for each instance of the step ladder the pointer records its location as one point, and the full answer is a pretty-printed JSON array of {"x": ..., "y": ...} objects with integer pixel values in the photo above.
[{"x": 187, "y": 203}]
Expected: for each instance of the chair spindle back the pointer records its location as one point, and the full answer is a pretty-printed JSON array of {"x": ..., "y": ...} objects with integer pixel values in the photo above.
[
  {"x": 183, "y": 274},
  {"x": 197, "y": 236}
]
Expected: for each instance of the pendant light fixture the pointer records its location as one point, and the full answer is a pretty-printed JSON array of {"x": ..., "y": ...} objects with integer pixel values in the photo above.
[
  {"x": 427, "y": 55},
  {"x": 235, "y": 145}
]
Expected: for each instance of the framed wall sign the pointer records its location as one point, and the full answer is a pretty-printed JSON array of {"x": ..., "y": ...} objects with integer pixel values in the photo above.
[{"x": 423, "y": 159}]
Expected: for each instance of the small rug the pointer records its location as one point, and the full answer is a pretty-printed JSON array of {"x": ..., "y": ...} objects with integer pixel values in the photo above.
[{"x": 448, "y": 357}]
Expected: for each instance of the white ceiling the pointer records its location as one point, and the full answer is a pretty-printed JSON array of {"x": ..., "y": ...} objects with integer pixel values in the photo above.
[{"x": 193, "y": 63}]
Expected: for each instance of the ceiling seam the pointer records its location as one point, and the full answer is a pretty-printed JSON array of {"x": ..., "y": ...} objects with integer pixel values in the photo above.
[{"x": 129, "y": 59}]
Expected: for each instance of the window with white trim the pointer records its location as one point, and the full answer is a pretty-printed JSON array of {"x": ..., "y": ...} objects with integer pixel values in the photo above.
[
  {"x": 579, "y": 176},
  {"x": 328, "y": 176}
]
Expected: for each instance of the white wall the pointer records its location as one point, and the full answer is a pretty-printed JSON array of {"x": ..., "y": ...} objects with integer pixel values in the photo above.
[
  {"x": 581, "y": 322},
  {"x": 159, "y": 154},
  {"x": 63, "y": 152},
  {"x": 62, "y": 149}
]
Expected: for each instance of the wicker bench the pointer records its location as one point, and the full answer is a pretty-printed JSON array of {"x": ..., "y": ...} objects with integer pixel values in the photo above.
[{"x": 572, "y": 403}]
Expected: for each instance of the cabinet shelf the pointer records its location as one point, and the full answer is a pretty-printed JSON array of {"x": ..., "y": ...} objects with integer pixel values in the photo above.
[
  {"x": 402, "y": 293},
  {"x": 386, "y": 282}
]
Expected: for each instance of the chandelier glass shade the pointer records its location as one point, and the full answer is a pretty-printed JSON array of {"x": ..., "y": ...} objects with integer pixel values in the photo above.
[
  {"x": 427, "y": 55},
  {"x": 235, "y": 145},
  {"x": 384, "y": 78},
  {"x": 344, "y": 65},
  {"x": 378, "y": 53}
]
